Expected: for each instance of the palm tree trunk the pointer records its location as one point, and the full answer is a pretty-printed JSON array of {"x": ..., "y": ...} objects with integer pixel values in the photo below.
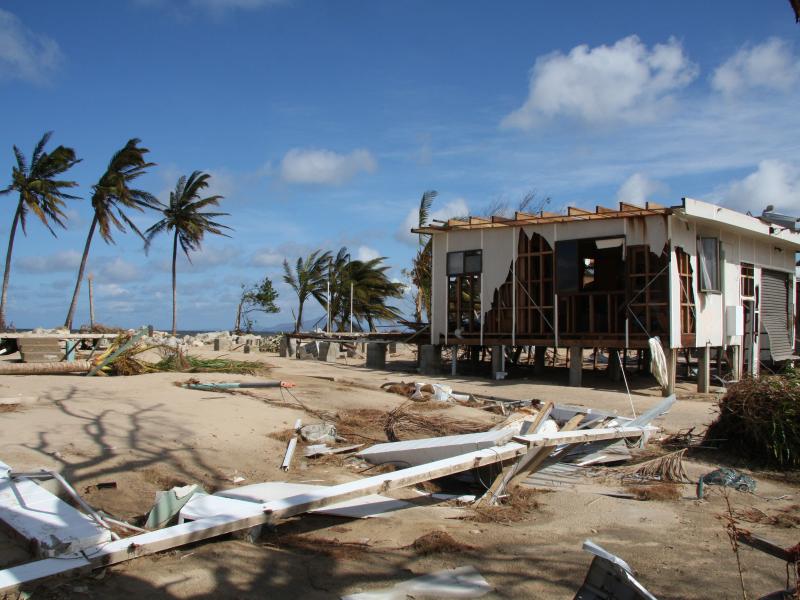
[
  {"x": 7, "y": 271},
  {"x": 174, "y": 283},
  {"x": 74, "y": 304},
  {"x": 299, "y": 323}
]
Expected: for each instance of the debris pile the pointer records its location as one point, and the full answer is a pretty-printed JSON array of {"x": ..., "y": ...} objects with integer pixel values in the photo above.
[{"x": 759, "y": 419}]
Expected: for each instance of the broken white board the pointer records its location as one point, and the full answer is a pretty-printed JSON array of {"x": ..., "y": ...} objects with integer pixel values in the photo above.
[
  {"x": 463, "y": 582},
  {"x": 50, "y": 525},
  {"x": 246, "y": 501},
  {"x": 411, "y": 453}
]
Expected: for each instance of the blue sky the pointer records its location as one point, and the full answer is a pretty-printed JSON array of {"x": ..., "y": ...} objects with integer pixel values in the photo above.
[{"x": 323, "y": 122}]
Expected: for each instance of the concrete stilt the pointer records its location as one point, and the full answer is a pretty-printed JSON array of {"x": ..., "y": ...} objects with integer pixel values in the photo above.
[
  {"x": 329, "y": 352},
  {"x": 736, "y": 362},
  {"x": 704, "y": 370},
  {"x": 376, "y": 355},
  {"x": 496, "y": 360},
  {"x": 430, "y": 360},
  {"x": 575, "y": 365},
  {"x": 454, "y": 360},
  {"x": 672, "y": 367},
  {"x": 614, "y": 367},
  {"x": 538, "y": 360}
]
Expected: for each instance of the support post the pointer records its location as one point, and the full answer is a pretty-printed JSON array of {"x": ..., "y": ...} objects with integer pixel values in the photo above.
[
  {"x": 614, "y": 367},
  {"x": 672, "y": 366},
  {"x": 376, "y": 355},
  {"x": 736, "y": 362},
  {"x": 454, "y": 361},
  {"x": 704, "y": 370},
  {"x": 430, "y": 359},
  {"x": 497, "y": 360},
  {"x": 575, "y": 365},
  {"x": 538, "y": 360}
]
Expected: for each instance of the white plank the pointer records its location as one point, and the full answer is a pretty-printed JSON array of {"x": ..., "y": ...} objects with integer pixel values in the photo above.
[
  {"x": 49, "y": 524},
  {"x": 419, "y": 452}
]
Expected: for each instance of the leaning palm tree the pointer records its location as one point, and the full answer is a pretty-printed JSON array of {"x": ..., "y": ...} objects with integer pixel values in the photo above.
[
  {"x": 307, "y": 279},
  {"x": 185, "y": 217},
  {"x": 420, "y": 272},
  {"x": 109, "y": 196},
  {"x": 41, "y": 192}
]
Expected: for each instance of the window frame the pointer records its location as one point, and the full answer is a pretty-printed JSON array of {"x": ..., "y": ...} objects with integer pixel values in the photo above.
[
  {"x": 464, "y": 254},
  {"x": 702, "y": 268}
]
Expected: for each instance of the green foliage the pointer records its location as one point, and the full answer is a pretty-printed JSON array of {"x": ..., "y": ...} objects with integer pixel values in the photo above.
[
  {"x": 760, "y": 419},
  {"x": 308, "y": 278},
  {"x": 260, "y": 297}
]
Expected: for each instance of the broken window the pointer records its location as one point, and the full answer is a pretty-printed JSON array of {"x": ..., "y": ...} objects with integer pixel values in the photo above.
[
  {"x": 464, "y": 304},
  {"x": 468, "y": 262},
  {"x": 708, "y": 259}
]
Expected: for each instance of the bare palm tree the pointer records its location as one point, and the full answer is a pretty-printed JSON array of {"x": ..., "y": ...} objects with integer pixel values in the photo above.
[
  {"x": 41, "y": 192},
  {"x": 109, "y": 196},
  {"x": 420, "y": 272},
  {"x": 307, "y": 279},
  {"x": 184, "y": 215}
]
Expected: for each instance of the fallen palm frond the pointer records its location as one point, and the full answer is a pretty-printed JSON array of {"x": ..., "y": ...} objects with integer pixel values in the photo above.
[
  {"x": 760, "y": 419},
  {"x": 786, "y": 517},
  {"x": 129, "y": 361},
  {"x": 402, "y": 423},
  {"x": 668, "y": 468}
]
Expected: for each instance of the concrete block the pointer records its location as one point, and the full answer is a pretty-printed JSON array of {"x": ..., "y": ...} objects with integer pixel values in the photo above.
[
  {"x": 308, "y": 351},
  {"x": 376, "y": 355},
  {"x": 222, "y": 344},
  {"x": 328, "y": 351},
  {"x": 392, "y": 348},
  {"x": 430, "y": 359}
]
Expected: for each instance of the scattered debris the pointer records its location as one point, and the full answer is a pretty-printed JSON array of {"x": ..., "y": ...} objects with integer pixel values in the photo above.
[
  {"x": 655, "y": 491},
  {"x": 168, "y": 504},
  {"x": 319, "y": 433},
  {"x": 728, "y": 478},
  {"x": 463, "y": 582},
  {"x": 664, "y": 468},
  {"x": 324, "y": 449},
  {"x": 610, "y": 578}
]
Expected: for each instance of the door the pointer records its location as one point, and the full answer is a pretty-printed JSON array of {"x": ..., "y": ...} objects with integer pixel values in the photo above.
[{"x": 776, "y": 342}]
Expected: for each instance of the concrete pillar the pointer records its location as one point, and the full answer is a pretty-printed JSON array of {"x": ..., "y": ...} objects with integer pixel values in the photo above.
[
  {"x": 497, "y": 361},
  {"x": 392, "y": 348},
  {"x": 538, "y": 360},
  {"x": 672, "y": 368},
  {"x": 376, "y": 355},
  {"x": 736, "y": 362},
  {"x": 614, "y": 367},
  {"x": 328, "y": 351},
  {"x": 222, "y": 344},
  {"x": 575, "y": 365},
  {"x": 247, "y": 348},
  {"x": 454, "y": 360},
  {"x": 704, "y": 370},
  {"x": 283, "y": 347},
  {"x": 430, "y": 359}
]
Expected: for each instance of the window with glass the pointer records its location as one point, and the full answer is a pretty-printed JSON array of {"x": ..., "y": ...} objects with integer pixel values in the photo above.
[{"x": 708, "y": 259}]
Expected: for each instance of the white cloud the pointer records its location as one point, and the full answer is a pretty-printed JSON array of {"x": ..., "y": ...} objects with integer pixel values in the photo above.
[
  {"x": 365, "y": 253},
  {"x": 638, "y": 189},
  {"x": 774, "y": 182},
  {"x": 66, "y": 260},
  {"x": 623, "y": 82},
  {"x": 213, "y": 7},
  {"x": 25, "y": 55},
  {"x": 767, "y": 66},
  {"x": 111, "y": 290},
  {"x": 325, "y": 166},
  {"x": 266, "y": 258},
  {"x": 117, "y": 270},
  {"x": 455, "y": 208}
]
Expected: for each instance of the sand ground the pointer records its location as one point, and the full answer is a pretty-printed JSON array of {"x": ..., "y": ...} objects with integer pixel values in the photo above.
[{"x": 146, "y": 434}]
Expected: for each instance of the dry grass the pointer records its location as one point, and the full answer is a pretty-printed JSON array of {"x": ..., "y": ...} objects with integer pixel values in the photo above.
[
  {"x": 438, "y": 542},
  {"x": 282, "y": 435},
  {"x": 361, "y": 424},
  {"x": 516, "y": 506},
  {"x": 788, "y": 517},
  {"x": 664, "y": 492},
  {"x": 7, "y": 408},
  {"x": 403, "y": 423}
]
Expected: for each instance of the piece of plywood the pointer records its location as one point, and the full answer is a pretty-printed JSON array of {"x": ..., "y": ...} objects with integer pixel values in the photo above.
[{"x": 51, "y": 526}]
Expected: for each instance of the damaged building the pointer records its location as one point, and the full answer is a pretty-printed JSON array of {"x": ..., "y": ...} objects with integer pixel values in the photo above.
[{"x": 700, "y": 277}]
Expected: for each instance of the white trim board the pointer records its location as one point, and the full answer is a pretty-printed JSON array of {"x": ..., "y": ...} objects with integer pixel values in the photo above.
[{"x": 178, "y": 535}]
